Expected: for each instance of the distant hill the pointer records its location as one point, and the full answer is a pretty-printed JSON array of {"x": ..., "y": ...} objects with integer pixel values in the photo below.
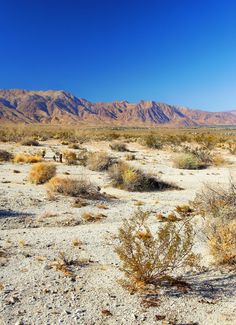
[{"x": 22, "y": 106}]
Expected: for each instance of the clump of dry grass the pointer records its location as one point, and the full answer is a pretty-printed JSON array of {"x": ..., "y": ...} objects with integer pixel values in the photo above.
[
  {"x": 66, "y": 265},
  {"x": 150, "y": 258},
  {"x": 70, "y": 157},
  {"x": 41, "y": 173},
  {"x": 5, "y": 155},
  {"x": 118, "y": 146},
  {"x": 91, "y": 217},
  {"x": 26, "y": 158},
  {"x": 218, "y": 205},
  {"x": 30, "y": 142},
  {"x": 99, "y": 161},
  {"x": 73, "y": 187},
  {"x": 129, "y": 178}
]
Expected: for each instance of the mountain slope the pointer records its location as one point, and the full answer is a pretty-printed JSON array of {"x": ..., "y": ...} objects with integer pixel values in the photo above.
[{"x": 21, "y": 106}]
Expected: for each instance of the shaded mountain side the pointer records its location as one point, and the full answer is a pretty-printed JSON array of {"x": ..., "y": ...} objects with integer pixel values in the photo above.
[{"x": 22, "y": 106}]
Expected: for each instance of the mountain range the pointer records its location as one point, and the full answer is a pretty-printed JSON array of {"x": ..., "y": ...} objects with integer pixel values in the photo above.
[{"x": 60, "y": 107}]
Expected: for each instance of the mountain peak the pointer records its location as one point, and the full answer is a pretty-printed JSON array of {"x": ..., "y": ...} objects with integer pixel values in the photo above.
[{"x": 54, "y": 106}]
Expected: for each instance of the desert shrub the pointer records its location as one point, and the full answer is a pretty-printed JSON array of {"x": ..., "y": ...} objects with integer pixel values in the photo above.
[
  {"x": 42, "y": 172},
  {"x": 149, "y": 257},
  {"x": 153, "y": 142},
  {"x": 30, "y": 142},
  {"x": 74, "y": 146},
  {"x": 130, "y": 156},
  {"x": 209, "y": 141},
  {"x": 129, "y": 178},
  {"x": 5, "y": 155},
  {"x": 73, "y": 187},
  {"x": 118, "y": 146},
  {"x": 187, "y": 161},
  {"x": 82, "y": 157},
  {"x": 99, "y": 161},
  {"x": 25, "y": 158},
  {"x": 218, "y": 205},
  {"x": 218, "y": 160},
  {"x": 70, "y": 157},
  {"x": 232, "y": 147},
  {"x": 221, "y": 237}
]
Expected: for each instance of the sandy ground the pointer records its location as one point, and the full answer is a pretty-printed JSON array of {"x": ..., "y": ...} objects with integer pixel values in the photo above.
[{"x": 34, "y": 231}]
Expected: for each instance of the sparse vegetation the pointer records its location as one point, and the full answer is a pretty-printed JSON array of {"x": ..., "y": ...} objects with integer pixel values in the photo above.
[
  {"x": 70, "y": 157},
  {"x": 5, "y": 155},
  {"x": 187, "y": 161},
  {"x": 73, "y": 187},
  {"x": 91, "y": 217},
  {"x": 148, "y": 257},
  {"x": 41, "y": 173},
  {"x": 30, "y": 142},
  {"x": 218, "y": 205},
  {"x": 26, "y": 158},
  {"x": 152, "y": 141},
  {"x": 129, "y": 178},
  {"x": 99, "y": 161},
  {"x": 130, "y": 156},
  {"x": 118, "y": 146}
]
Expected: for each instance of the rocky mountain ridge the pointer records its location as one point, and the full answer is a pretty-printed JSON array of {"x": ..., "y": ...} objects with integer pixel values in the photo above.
[{"x": 56, "y": 106}]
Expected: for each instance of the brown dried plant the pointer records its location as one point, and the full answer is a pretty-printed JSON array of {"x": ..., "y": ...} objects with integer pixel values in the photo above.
[
  {"x": 217, "y": 205},
  {"x": 148, "y": 257}
]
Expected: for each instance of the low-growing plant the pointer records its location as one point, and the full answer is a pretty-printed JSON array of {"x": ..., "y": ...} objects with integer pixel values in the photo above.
[
  {"x": 41, "y": 173},
  {"x": 187, "y": 161},
  {"x": 25, "y": 158},
  {"x": 30, "y": 142},
  {"x": 5, "y": 155},
  {"x": 91, "y": 217},
  {"x": 73, "y": 187},
  {"x": 149, "y": 257},
  {"x": 99, "y": 161},
  {"x": 118, "y": 146},
  {"x": 129, "y": 178},
  {"x": 153, "y": 142},
  {"x": 70, "y": 157},
  {"x": 74, "y": 146}
]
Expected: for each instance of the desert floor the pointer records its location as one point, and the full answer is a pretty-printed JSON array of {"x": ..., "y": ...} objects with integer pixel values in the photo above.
[{"x": 35, "y": 231}]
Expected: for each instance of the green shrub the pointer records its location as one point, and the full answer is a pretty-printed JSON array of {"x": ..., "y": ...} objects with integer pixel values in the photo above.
[{"x": 126, "y": 177}]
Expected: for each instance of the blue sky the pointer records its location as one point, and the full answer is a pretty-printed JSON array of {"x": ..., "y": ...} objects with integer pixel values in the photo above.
[{"x": 179, "y": 52}]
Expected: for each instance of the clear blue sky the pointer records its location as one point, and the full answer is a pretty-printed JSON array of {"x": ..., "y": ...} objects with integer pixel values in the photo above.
[{"x": 176, "y": 51}]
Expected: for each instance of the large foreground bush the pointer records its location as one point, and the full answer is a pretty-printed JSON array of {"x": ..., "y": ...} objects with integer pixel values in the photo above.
[{"x": 149, "y": 257}]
